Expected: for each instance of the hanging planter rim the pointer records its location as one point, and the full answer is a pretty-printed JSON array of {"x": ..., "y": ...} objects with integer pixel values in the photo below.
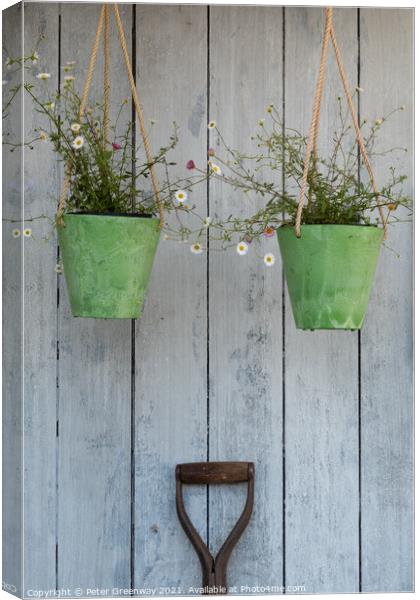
[{"x": 111, "y": 214}]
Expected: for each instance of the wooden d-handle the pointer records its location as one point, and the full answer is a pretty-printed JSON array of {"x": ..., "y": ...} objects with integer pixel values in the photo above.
[
  {"x": 214, "y": 569},
  {"x": 215, "y": 472}
]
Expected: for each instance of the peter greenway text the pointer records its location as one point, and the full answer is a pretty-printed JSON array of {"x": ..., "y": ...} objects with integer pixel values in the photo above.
[{"x": 119, "y": 592}]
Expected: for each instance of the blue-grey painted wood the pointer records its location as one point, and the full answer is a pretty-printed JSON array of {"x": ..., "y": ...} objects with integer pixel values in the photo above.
[
  {"x": 12, "y": 400},
  {"x": 94, "y": 526},
  {"x": 386, "y": 38},
  {"x": 242, "y": 405},
  {"x": 245, "y": 312},
  {"x": 321, "y": 391},
  {"x": 40, "y": 312},
  {"x": 171, "y": 389}
]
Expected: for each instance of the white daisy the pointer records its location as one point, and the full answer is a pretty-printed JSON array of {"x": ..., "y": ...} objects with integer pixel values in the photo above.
[
  {"x": 78, "y": 142},
  {"x": 207, "y": 222},
  {"x": 69, "y": 78},
  {"x": 16, "y": 233},
  {"x": 270, "y": 108},
  {"x": 269, "y": 260},
  {"x": 378, "y": 121},
  {"x": 212, "y": 125},
  {"x": 43, "y": 76},
  {"x": 215, "y": 168},
  {"x": 242, "y": 248},
  {"x": 49, "y": 105},
  {"x": 43, "y": 136},
  {"x": 261, "y": 122},
  {"x": 181, "y": 196},
  {"x": 75, "y": 127},
  {"x": 196, "y": 248},
  {"x": 359, "y": 89},
  {"x": 27, "y": 232}
]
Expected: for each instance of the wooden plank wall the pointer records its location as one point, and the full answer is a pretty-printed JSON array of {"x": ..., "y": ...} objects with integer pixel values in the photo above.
[{"x": 214, "y": 369}]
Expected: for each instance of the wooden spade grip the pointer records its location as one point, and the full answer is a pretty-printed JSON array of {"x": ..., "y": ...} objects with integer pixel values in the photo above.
[{"x": 215, "y": 472}]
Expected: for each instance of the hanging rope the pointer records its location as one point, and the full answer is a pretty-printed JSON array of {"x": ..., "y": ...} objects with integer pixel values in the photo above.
[
  {"x": 316, "y": 111},
  {"x": 83, "y": 102},
  {"x": 104, "y": 18},
  {"x": 106, "y": 76},
  {"x": 139, "y": 113}
]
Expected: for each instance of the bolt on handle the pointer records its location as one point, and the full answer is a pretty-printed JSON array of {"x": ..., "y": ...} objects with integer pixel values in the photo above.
[{"x": 215, "y": 472}]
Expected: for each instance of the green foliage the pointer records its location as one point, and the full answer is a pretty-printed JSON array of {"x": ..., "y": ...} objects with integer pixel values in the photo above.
[{"x": 338, "y": 190}]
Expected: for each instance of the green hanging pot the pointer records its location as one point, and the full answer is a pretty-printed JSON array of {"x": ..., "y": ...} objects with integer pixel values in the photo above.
[
  {"x": 107, "y": 262},
  {"x": 329, "y": 272}
]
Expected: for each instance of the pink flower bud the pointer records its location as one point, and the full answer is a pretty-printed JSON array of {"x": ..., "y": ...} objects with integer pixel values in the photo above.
[
  {"x": 211, "y": 152},
  {"x": 116, "y": 146},
  {"x": 190, "y": 165}
]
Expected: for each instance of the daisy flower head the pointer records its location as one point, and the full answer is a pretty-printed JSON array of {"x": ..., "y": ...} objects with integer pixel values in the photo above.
[
  {"x": 50, "y": 105},
  {"x": 27, "y": 232},
  {"x": 212, "y": 125},
  {"x": 215, "y": 168},
  {"x": 15, "y": 233},
  {"x": 270, "y": 108},
  {"x": 359, "y": 89},
  {"x": 43, "y": 76},
  {"x": 43, "y": 136},
  {"x": 69, "y": 78},
  {"x": 269, "y": 260},
  {"x": 196, "y": 248},
  {"x": 392, "y": 206},
  {"x": 242, "y": 248},
  {"x": 75, "y": 127},
  {"x": 378, "y": 121},
  {"x": 207, "y": 222},
  {"x": 181, "y": 196},
  {"x": 261, "y": 122},
  {"x": 269, "y": 232},
  {"x": 78, "y": 142}
]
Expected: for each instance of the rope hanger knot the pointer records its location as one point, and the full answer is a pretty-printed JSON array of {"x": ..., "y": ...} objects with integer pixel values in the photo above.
[
  {"x": 104, "y": 23},
  {"x": 316, "y": 110}
]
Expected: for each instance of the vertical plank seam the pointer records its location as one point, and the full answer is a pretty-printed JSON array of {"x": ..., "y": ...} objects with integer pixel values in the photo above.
[
  {"x": 57, "y": 401},
  {"x": 283, "y": 319},
  {"x": 208, "y": 282},
  {"x": 359, "y": 338},
  {"x": 22, "y": 338},
  {"x": 133, "y": 332}
]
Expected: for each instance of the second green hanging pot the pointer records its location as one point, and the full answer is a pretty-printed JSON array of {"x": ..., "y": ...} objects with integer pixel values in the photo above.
[
  {"x": 107, "y": 262},
  {"x": 329, "y": 273}
]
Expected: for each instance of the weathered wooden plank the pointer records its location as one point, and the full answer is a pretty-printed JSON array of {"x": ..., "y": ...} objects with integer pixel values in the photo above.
[
  {"x": 387, "y": 346},
  {"x": 40, "y": 312},
  {"x": 170, "y": 411},
  {"x": 246, "y": 304},
  {"x": 95, "y": 385},
  {"x": 321, "y": 367},
  {"x": 12, "y": 402}
]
